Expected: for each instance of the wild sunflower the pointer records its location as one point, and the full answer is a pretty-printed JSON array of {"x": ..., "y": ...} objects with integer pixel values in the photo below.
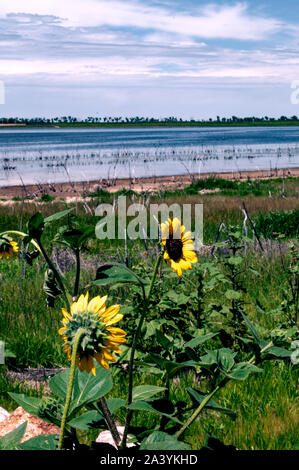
[
  {"x": 7, "y": 247},
  {"x": 179, "y": 248},
  {"x": 101, "y": 338}
]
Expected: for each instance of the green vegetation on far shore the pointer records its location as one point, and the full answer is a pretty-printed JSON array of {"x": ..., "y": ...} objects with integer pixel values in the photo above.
[{"x": 119, "y": 122}]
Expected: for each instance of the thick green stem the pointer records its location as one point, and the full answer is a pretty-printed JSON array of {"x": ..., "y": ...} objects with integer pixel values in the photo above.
[
  {"x": 133, "y": 349},
  {"x": 79, "y": 333}
]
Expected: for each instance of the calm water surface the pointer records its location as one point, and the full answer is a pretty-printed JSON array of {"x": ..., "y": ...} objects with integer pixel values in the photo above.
[{"x": 58, "y": 155}]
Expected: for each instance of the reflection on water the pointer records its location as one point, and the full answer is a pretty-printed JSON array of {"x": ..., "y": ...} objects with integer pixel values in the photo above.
[{"x": 40, "y": 156}]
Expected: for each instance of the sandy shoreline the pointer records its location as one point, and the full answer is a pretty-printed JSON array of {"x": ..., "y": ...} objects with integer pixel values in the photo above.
[{"x": 150, "y": 184}]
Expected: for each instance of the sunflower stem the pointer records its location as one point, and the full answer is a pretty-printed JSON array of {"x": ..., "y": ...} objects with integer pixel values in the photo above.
[
  {"x": 133, "y": 349},
  {"x": 110, "y": 421},
  {"x": 79, "y": 333}
]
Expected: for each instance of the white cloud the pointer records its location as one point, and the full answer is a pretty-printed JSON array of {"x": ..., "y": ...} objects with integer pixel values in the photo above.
[{"x": 232, "y": 21}]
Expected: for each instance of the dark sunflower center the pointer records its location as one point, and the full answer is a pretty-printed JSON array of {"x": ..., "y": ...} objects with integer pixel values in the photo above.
[{"x": 174, "y": 248}]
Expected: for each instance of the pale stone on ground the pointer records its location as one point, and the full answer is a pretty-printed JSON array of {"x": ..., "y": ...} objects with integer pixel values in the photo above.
[
  {"x": 105, "y": 437},
  {"x": 3, "y": 414}
]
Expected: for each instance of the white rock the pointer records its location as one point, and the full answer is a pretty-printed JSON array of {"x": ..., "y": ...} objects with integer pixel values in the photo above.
[
  {"x": 3, "y": 414},
  {"x": 106, "y": 438}
]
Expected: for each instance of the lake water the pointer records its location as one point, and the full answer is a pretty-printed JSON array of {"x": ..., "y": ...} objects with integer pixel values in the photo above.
[{"x": 59, "y": 155}]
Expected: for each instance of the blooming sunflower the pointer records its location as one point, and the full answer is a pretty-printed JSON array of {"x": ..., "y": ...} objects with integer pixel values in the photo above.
[
  {"x": 100, "y": 339},
  {"x": 179, "y": 248},
  {"x": 7, "y": 247}
]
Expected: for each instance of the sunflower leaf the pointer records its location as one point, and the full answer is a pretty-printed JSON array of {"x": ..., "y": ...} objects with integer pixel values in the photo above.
[
  {"x": 41, "y": 442},
  {"x": 162, "y": 441},
  {"x": 57, "y": 216},
  {"x": 29, "y": 404},
  {"x": 145, "y": 392},
  {"x": 11, "y": 440},
  {"x": 86, "y": 389},
  {"x": 115, "y": 273},
  {"x": 86, "y": 421}
]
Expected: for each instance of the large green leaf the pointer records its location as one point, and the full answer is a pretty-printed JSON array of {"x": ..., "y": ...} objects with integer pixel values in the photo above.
[
  {"x": 253, "y": 331},
  {"x": 57, "y": 216},
  {"x": 242, "y": 370},
  {"x": 277, "y": 352},
  {"x": 86, "y": 421},
  {"x": 171, "y": 367},
  {"x": 197, "y": 397},
  {"x": 115, "y": 403},
  {"x": 29, "y": 404},
  {"x": 35, "y": 226},
  {"x": 162, "y": 441},
  {"x": 149, "y": 407},
  {"x": 41, "y": 442},
  {"x": 11, "y": 440},
  {"x": 59, "y": 384},
  {"x": 86, "y": 389},
  {"x": 145, "y": 392},
  {"x": 193, "y": 343},
  {"x": 116, "y": 273}
]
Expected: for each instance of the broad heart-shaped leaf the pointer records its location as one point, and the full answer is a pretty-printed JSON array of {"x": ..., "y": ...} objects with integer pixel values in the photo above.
[
  {"x": 197, "y": 397},
  {"x": 193, "y": 343},
  {"x": 162, "y": 441},
  {"x": 145, "y": 392},
  {"x": 242, "y": 370},
  {"x": 86, "y": 389},
  {"x": 57, "y": 216},
  {"x": 11, "y": 440},
  {"x": 41, "y": 442},
  {"x": 86, "y": 421},
  {"x": 29, "y": 404},
  {"x": 149, "y": 406},
  {"x": 171, "y": 367},
  {"x": 111, "y": 274}
]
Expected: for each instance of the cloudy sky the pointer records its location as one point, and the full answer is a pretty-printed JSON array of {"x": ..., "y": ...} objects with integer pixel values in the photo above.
[{"x": 184, "y": 58}]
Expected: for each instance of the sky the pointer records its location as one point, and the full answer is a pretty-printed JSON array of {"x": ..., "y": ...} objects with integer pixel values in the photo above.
[{"x": 157, "y": 58}]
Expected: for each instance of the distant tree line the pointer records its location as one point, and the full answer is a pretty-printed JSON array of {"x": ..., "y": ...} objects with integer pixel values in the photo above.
[{"x": 70, "y": 120}]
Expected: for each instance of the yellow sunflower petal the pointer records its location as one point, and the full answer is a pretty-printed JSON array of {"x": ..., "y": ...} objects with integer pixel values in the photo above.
[
  {"x": 110, "y": 312},
  {"x": 108, "y": 356},
  {"x": 113, "y": 320},
  {"x": 82, "y": 302},
  {"x": 176, "y": 228},
  {"x": 116, "y": 331},
  {"x": 101, "y": 360},
  {"x": 186, "y": 237},
  {"x": 97, "y": 303}
]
